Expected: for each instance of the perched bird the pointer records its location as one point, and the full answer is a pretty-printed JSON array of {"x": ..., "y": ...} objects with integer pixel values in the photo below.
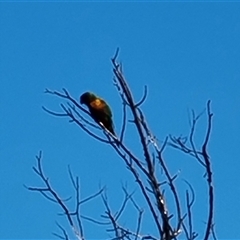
[{"x": 99, "y": 109}]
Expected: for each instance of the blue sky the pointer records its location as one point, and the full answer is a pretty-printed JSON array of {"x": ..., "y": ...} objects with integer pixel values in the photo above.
[{"x": 186, "y": 53}]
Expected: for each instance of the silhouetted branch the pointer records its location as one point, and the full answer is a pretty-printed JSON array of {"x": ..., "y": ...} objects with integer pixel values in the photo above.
[
  {"x": 124, "y": 122},
  {"x": 190, "y": 234},
  {"x": 129, "y": 163},
  {"x": 142, "y": 129},
  {"x": 196, "y": 153},
  {"x": 109, "y": 215},
  {"x": 65, "y": 236},
  {"x": 143, "y": 98},
  {"x": 119, "y": 231},
  {"x": 93, "y": 220},
  {"x": 213, "y": 232},
  {"x": 49, "y": 193},
  {"x": 203, "y": 158},
  {"x": 209, "y": 173}
]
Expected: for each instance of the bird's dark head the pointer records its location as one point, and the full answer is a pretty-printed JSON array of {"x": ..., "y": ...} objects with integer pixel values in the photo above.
[{"x": 87, "y": 97}]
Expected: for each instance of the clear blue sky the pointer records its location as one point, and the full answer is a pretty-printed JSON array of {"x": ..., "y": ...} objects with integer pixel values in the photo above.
[{"x": 186, "y": 53}]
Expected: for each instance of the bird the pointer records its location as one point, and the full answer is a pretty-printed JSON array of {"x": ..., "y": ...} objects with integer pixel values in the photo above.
[{"x": 99, "y": 110}]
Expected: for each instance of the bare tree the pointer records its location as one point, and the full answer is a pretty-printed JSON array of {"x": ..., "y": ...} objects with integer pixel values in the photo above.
[{"x": 169, "y": 224}]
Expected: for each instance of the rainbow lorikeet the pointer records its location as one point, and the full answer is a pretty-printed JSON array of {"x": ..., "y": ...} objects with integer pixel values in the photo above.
[{"x": 99, "y": 109}]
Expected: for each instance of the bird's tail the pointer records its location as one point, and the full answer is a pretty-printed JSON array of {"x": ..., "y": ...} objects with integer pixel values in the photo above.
[
  {"x": 112, "y": 132},
  {"x": 115, "y": 136}
]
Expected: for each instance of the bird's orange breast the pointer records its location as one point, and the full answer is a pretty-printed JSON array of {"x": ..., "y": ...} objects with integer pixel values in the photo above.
[{"x": 97, "y": 104}]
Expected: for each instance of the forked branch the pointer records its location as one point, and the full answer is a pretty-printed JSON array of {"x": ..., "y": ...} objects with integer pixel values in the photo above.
[{"x": 73, "y": 217}]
